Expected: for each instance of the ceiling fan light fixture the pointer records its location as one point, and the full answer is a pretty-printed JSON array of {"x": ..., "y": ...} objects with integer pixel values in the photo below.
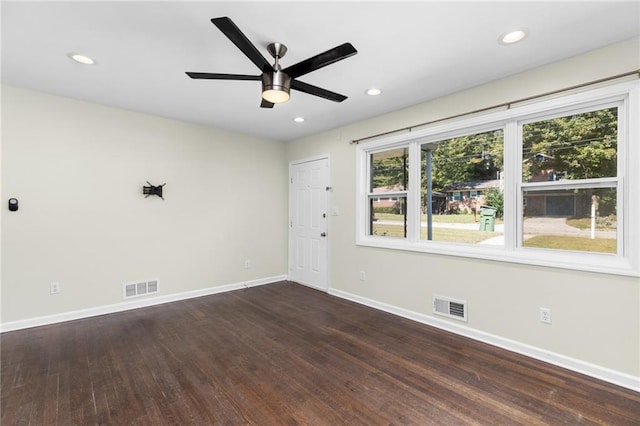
[
  {"x": 275, "y": 96},
  {"x": 275, "y": 87}
]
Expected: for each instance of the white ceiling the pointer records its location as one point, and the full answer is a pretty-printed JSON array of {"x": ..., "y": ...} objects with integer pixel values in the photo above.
[{"x": 413, "y": 51}]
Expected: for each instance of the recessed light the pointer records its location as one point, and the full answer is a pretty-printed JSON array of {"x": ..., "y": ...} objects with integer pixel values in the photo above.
[
  {"x": 373, "y": 91},
  {"x": 82, "y": 59},
  {"x": 299, "y": 119},
  {"x": 513, "y": 36}
]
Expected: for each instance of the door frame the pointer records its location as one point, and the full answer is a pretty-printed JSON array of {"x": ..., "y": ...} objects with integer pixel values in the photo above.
[{"x": 293, "y": 163}]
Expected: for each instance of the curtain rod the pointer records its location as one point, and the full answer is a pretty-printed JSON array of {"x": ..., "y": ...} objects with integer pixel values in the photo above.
[{"x": 502, "y": 105}]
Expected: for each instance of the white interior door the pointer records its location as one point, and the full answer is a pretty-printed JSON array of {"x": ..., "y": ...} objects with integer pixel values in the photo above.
[{"x": 308, "y": 195}]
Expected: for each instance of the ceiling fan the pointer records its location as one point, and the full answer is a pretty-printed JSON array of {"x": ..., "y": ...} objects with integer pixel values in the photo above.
[{"x": 277, "y": 82}]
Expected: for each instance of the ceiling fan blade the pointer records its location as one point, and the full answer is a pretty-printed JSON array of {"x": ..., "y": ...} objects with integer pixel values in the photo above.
[
  {"x": 266, "y": 104},
  {"x": 241, "y": 41},
  {"x": 214, "y": 76},
  {"x": 321, "y": 60},
  {"x": 317, "y": 91}
]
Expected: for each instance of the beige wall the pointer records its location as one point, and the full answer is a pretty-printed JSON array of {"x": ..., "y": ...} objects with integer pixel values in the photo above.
[
  {"x": 78, "y": 171},
  {"x": 596, "y": 317}
]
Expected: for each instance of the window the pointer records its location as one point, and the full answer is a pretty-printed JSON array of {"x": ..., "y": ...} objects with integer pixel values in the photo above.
[
  {"x": 460, "y": 166},
  {"x": 549, "y": 183},
  {"x": 389, "y": 173},
  {"x": 570, "y": 180}
]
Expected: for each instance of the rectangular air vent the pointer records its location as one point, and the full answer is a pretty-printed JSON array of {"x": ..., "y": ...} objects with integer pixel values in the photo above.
[
  {"x": 140, "y": 288},
  {"x": 452, "y": 308}
]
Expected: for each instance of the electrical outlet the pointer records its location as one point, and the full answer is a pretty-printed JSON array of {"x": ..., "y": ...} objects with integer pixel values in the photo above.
[
  {"x": 363, "y": 276},
  {"x": 545, "y": 315},
  {"x": 54, "y": 288},
  {"x": 247, "y": 264}
]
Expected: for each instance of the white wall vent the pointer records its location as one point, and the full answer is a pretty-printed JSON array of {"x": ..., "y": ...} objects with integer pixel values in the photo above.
[
  {"x": 452, "y": 308},
  {"x": 140, "y": 288}
]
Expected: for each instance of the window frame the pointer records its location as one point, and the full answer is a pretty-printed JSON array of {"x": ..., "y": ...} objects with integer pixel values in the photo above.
[
  {"x": 625, "y": 96},
  {"x": 389, "y": 195}
]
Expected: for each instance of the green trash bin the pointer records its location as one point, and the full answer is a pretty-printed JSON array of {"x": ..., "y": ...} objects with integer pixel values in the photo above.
[{"x": 487, "y": 219}]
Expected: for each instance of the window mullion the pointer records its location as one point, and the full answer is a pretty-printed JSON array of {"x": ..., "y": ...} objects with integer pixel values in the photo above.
[
  {"x": 628, "y": 108},
  {"x": 413, "y": 194},
  {"x": 511, "y": 179}
]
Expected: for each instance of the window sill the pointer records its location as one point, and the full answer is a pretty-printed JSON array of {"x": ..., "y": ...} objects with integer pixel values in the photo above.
[{"x": 579, "y": 261}]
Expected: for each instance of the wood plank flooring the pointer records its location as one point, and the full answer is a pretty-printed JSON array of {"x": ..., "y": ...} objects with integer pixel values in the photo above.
[{"x": 284, "y": 354}]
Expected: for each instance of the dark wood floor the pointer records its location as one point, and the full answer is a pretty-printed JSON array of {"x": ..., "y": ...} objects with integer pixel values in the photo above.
[{"x": 284, "y": 354}]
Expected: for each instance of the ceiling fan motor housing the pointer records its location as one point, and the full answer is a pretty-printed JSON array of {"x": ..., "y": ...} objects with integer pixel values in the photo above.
[{"x": 275, "y": 85}]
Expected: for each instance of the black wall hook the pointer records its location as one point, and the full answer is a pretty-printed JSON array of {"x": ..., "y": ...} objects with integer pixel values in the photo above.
[{"x": 153, "y": 190}]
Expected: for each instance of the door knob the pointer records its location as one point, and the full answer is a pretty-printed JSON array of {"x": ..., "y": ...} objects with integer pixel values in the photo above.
[{"x": 324, "y": 234}]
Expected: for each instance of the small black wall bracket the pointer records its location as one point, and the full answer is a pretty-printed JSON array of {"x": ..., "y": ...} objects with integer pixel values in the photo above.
[{"x": 153, "y": 190}]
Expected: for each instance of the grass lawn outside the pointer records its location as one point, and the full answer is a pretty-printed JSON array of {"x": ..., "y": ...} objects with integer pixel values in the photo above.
[
  {"x": 391, "y": 225},
  {"x": 599, "y": 245},
  {"x": 438, "y": 234},
  {"x": 602, "y": 223}
]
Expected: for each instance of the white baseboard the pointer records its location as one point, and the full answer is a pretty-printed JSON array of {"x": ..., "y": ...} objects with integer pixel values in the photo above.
[
  {"x": 618, "y": 378},
  {"x": 134, "y": 304}
]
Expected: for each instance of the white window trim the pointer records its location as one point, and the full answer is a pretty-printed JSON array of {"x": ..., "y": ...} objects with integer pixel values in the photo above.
[{"x": 626, "y": 262}]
